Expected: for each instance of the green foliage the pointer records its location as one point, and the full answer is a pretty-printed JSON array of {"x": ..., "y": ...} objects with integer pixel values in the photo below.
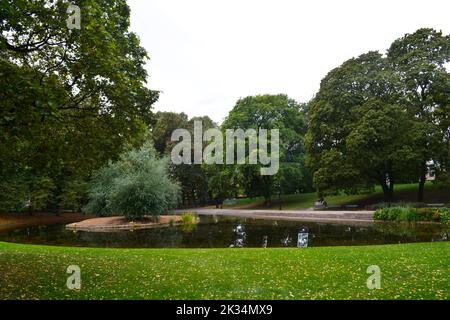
[
  {"x": 376, "y": 117},
  {"x": 13, "y": 195},
  {"x": 444, "y": 214},
  {"x": 189, "y": 218},
  {"x": 70, "y": 100},
  {"x": 189, "y": 221},
  {"x": 193, "y": 178},
  {"x": 272, "y": 112},
  {"x": 443, "y": 180},
  {"x": 358, "y": 134},
  {"x": 381, "y": 205},
  {"x": 420, "y": 59},
  {"x": 396, "y": 214},
  {"x": 41, "y": 192},
  {"x": 73, "y": 194},
  {"x": 164, "y": 124},
  {"x": 26, "y": 192},
  {"x": 137, "y": 184},
  {"x": 413, "y": 214}
]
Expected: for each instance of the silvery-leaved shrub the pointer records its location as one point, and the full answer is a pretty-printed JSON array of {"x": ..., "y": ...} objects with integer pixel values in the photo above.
[{"x": 136, "y": 185}]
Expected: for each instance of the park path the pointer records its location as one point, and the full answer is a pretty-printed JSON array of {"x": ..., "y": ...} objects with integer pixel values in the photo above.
[{"x": 344, "y": 216}]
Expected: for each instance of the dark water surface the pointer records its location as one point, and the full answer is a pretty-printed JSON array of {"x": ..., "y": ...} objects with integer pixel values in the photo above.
[{"x": 220, "y": 232}]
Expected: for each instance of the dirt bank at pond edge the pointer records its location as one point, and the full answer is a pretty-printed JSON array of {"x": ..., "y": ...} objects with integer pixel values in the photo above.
[
  {"x": 12, "y": 221},
  {"x": 108, "y": 224}
]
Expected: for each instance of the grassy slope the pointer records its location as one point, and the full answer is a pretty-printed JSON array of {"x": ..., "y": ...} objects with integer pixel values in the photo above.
[
  {"x": 403, "y": 192},
  {"x": 409, "y": 271}
]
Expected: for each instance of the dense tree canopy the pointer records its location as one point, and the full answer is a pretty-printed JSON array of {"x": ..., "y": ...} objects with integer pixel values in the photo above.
[
  {"x": 379, "y": 119},
  {"x": 420, "y": 60},
  {"x": 70, "y": 99},
  {"x": 193, "y": 178},
  {"x": 357, "y": 133},
  {"x": 272, "y": 112},
  {"x": 73, "y": 99}
]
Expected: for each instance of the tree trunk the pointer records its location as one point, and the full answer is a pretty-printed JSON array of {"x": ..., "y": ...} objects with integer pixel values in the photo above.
[
  {"x": 423, "y": 177},
  {"x": 267, "y": 201},
  {"x": 386, "y": 191},
  {"x": 391, "y": 188}
]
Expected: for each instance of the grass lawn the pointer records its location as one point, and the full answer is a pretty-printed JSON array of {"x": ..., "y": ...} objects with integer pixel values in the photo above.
[
  {"x": 408, "y": 271},
  {"x": 403, "y": 192}
]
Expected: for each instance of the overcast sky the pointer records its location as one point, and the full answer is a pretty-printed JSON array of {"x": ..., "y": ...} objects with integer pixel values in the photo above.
[{"x": 206, "y": 54}]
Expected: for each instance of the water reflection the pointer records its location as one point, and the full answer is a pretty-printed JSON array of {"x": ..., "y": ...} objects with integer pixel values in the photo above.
[
  {"x": 265, "y": 240},
  {"x": 222, "y": 232},
  {"x": 286, "y": 241},
  {"x": 302, "y": 237},
  {"x": 240, "y": 235}
]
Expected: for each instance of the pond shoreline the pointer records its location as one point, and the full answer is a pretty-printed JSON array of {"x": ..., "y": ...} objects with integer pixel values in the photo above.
[
  {"x": 12, "y": 221},
  {"x": 114, "y": 223}
]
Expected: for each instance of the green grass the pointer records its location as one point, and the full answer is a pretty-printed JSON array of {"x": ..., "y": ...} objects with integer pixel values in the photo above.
[
  {"x": 402, "y": 192},
  {"x": 413, "y": 214},
  {"x": 408, "y": 271}
]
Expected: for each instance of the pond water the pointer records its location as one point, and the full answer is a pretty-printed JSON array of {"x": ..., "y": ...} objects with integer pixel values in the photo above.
[{"x": 223, "y": 232}]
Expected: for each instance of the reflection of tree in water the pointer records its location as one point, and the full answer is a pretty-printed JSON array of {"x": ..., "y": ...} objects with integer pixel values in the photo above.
[
  {"x": 155, "y": 237},
  {"x": 240, "y": 235},
  {"x": 411, "y": 230}
]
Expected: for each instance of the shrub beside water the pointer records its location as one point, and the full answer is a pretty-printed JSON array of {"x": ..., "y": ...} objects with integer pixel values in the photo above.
[
  {"x": 136, "y": 185},
  {"x": 413, "y": 214},
  {"x": 382, "y": 205},
  {"x": 190, "y": 221},
  {"x": 189, "y": 218}
]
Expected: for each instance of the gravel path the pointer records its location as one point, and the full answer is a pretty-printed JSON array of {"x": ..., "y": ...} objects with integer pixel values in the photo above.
[{"x": 298, "y": 215}]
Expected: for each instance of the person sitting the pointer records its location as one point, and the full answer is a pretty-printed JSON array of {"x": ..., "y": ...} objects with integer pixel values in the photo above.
[{"x": 320, "y": 204}]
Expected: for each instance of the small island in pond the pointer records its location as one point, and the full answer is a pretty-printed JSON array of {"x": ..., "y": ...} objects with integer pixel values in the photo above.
[{"x": 115, "y": 223}]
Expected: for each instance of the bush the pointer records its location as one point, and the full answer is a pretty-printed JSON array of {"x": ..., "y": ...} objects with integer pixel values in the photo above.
[
  {"x": 428, "y": 214},
  {"x": 381, "y": 205},
  {"x": 136, "y": 185},
  {"x": 396, "y": 214},
  {"x": 413, "y": 214},
  {"x": 190, "y": 221},
  {"x": 189, "y": 218},
  {"x": 444, "y": 214}
]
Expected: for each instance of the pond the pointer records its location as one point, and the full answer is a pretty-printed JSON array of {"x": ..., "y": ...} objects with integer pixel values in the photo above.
[{"x": 223, "y": 232}]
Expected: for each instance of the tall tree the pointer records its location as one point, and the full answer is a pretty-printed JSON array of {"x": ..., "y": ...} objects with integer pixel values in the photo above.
[
  {"x": 272, "y": 112},
  {"x": 193, "y": 178},
  {"x": 358, "y": 135},
  {"x": 420, "y": 59},
  {"x": 69, "y": 98}
]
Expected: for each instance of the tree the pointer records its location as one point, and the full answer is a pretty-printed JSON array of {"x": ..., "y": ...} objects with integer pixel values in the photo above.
[
  {"x": 420, "y": 60},
  {"x": 164, "y": 124},
  {"x": 271, "y": 112},
  {"x": 358, "y": 134},
  {"x": 192, "y": 177},
  {"x": 136, "y": 185},
  {"x": 69, "y": 99}
]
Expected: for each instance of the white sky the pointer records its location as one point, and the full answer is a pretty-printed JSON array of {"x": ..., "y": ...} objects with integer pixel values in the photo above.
[{"x": 206, "y": 54}]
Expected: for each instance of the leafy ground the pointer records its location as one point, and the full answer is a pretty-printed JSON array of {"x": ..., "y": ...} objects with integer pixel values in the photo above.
[
  {"x": 408, "y": 271},
  {"x": 403, "y": 192}
]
